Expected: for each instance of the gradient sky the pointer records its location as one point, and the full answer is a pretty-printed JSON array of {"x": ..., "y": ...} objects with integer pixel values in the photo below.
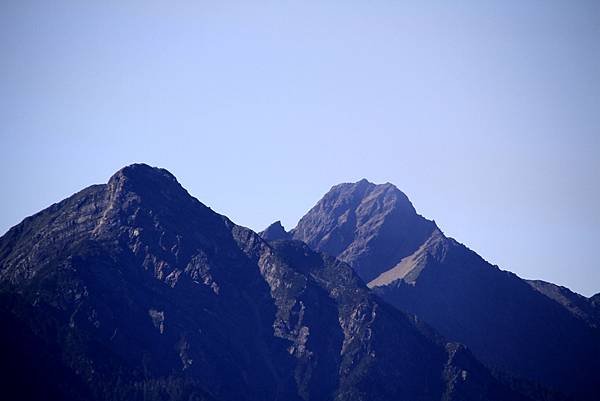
[{"x": 486, "y": 114}]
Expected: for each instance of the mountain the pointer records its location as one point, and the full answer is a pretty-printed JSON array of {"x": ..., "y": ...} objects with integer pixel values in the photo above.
[
  {"x": 587, "y": 309},
  {"x": 595, "y": 300},
  {"x": 510, "y": 324},
  {"x": 134, "y": 290},
  {"x": 372, "y": 227},
  {"x": 275, "y": 232}
]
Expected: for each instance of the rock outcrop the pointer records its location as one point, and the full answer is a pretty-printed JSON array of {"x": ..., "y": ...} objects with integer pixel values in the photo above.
[
  {"x": 275, "y": 232},
  {"x": 135, "y": 290},
  {"x": 527, "y": 329}
]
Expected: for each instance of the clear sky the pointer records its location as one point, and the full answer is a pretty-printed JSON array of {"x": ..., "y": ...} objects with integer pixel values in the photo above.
[{"x": 486, "y": 114}]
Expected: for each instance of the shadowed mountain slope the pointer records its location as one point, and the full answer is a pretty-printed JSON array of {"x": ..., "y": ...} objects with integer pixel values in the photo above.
[
  {"x": 135, "y": 290},
  {"x": 509, "y": 323},
  {"x": 587, "y": 309}
]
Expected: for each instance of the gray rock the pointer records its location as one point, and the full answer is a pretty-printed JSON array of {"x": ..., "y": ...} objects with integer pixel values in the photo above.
[
  {"x": 275, "y": 232},
  {"x": 509, "y": 324},
  {"x": 136, "y": 290}
]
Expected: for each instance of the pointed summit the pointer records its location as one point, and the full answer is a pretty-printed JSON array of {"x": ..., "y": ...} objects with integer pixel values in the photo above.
[
  {"x": 143, "y": 193},
  {"x": 508, "y": 323},
  {"x": 135, "y": 290},
  {"x": 275, "y": 232},
  {"x": 144, "y": 180},
  {"x": 142, "y": 171},
  {"x": 370, "y": 226}
]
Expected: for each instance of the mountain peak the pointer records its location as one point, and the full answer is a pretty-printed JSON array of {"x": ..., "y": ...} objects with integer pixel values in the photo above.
[
  {"x": 352, "y": 218},
  {"x": 275, "y": 232},
  {"x": 365, "y": 188},
  {"x": 141, "y": 292},
  {"x": 364, "y": 181},
  {"x": 413, "y": 266},
  {"x": 140, "y": 173},
  {"x": 143, "y": 182}
]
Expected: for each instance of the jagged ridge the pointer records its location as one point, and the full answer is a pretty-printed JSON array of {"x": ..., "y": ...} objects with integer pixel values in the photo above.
[
  {"x": 136, "y": 290},
  {"x": 410, "y": 263}
]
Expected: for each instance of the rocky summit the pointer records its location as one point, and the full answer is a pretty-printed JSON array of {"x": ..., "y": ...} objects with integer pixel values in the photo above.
[
  {"x": 530, "y": 330},
  {"x": 372, "y": 227},
  {"x": 135, "y": 290},
  {"x": 275, "y": 232}
]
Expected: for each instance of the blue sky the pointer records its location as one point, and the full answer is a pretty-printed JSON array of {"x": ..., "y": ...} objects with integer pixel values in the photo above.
[{"x": 486, "y": 114}]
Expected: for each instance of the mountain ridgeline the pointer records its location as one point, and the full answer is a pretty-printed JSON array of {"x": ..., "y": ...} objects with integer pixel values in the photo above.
[
  {"x": 135, "y": 290},
  {"x": 532, "y": 330}
]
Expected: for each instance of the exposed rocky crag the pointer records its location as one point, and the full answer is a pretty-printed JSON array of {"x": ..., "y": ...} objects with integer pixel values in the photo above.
[
  {"x": 275, "y": 232},
  {"x": 512, "y": 325},
  {"x": 372, "y": 227},
  {"x": 134, "y": 290}
]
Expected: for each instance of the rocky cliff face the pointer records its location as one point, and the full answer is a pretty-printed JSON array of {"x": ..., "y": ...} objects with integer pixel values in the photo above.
[
  {"x": 510, "y": 324},
  {"x": 135, "y": 290},
  {"x": 372, "y": 227},
  {"x": 275, "y": 232}
]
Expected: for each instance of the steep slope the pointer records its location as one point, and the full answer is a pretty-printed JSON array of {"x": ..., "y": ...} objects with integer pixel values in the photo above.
[
  {"x": 372, "y": 227},
  {"x": 580, "y": 306},
  {"x": 134, "y": 290},
  {"x": 409, "y": 262},
  {"x": 595, "y": 300},
  {"x": 275, "y": 232}
]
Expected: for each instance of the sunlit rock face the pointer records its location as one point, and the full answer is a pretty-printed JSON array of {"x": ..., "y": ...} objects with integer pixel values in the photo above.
[
  {"x": 134, "y": 290},
  {"x": 530, "y": 330},
  {"x": 372, "y": 227}
]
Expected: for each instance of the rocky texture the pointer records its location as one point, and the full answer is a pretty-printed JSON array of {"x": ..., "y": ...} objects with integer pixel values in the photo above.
[
  {"x": 595, "y": 300},
  {"x": 372, "y": 227},
  {"x": 134, "y": 290},
  {"x": 275, "y": 232},
  {"x": 587, "y": 309},
  {"x": 507, "y": 323}
]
